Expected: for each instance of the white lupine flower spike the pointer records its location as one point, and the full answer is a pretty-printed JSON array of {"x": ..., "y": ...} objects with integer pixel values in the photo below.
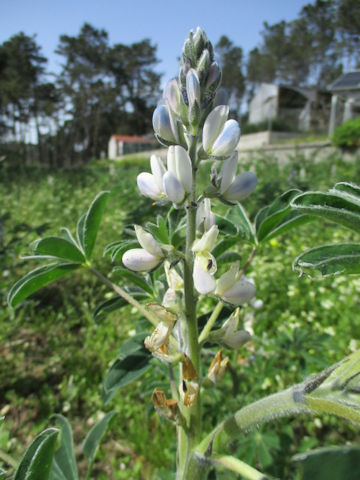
[{"x": 213, "y": 126}]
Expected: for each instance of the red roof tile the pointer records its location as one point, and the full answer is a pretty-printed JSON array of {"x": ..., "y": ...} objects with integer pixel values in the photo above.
[{"x": 130, "y": 139}]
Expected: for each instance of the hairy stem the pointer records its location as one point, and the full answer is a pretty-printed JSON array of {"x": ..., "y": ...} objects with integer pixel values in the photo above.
[
  {"x": 210, "y": 323},
  {"x": 278, "y": 405}
]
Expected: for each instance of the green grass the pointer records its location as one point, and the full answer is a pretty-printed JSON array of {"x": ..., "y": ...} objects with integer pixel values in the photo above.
[{"x": 54, "y": 356}]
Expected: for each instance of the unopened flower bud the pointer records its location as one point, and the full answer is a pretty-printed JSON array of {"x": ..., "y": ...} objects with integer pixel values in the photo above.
[
  {"x": 139, "y": 260},
  {"x": 203, "y": 65},
  {"x": 214, "y": 77},
  {"x": 193, "y": 87},
  {"x": 228, "y": 335}
]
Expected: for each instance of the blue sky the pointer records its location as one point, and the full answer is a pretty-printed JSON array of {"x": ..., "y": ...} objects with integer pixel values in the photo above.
[{"x": 166, "y": 23}]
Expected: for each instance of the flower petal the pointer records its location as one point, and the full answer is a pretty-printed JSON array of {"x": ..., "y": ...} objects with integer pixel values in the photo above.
[
  {"x": 228, "y": 139},
  {"x": 158, "y": 170},
  {"x": 203, "y": 281},
  {"x": 213, "y": 125},
  {"x": 148, "y": 186},
  {"x": 228, "y": 171},
  {"x": 241, "y": 187},
  {"x": 148, "y": 242},
  {"x": 173, "y": 188},
  {"x": 139, "y": 260}
]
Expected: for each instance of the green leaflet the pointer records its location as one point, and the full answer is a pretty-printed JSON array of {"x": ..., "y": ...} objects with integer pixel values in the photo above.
[
  {"x": 36, "y": 279},
  {"x": 88, "y": 225},
  {"x": 133, "y": 362},
  {"x": 335, "y": 463},
  {"x": 58, "y": 247},
  {"x": 278, "y": 218},
  {"x": 330, "y": 259},
  {"x": 37, "y": 460},
  {"x": 336, "y": 206},
  {"x": 64, "y": 462},
  {"x": 95, "y": 436}
]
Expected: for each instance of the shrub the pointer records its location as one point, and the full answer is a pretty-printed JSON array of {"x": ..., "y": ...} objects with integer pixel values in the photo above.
[{"x": 347, "y": 136}]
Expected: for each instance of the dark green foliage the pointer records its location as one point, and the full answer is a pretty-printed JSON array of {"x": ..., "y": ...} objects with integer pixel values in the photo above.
[
  {"x": 347, "y": 136},
  {"x": 337, "y": 463},
  {"x": 37, "y": 460}
]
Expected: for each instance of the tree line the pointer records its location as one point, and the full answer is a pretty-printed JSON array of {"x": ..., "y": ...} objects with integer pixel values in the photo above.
[{"x": 105, "y": 88}]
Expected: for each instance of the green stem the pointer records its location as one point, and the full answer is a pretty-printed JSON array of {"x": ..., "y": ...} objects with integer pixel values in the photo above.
[
  {"x": 210, "y": 323},
  {"x": 240, "y": 467},
  {"x": 125, "y": 296},
  {"x": 280, "y": 404},
  {"x": 5, "y": 457}
]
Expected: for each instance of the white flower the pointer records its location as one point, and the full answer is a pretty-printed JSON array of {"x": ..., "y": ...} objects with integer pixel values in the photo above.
[
  {"x": 234, "y": 290},
  {"x": 213, "y": 125},
  {"x": 179, "y": 163},
  {"x": 164, "y": 124},
  {"x": 173, "y": 188},
  {"x": 172, "y": 96},
  {"x": 235, "y": 188},
  {"x": 220, "y": 136},
  {"x": 148, "y": 242},
  {"x": 205, "y": 263},
  {"x": 241, "y": 187},
  {"x": 204, "y": 216},
  {"x": 146, "y": 258},
  {"x": 139, "y": 260},
  {"x": 228, "y": 335},
  {"x": 151, "y": 184},
  {"x": 173, "y": 183}
]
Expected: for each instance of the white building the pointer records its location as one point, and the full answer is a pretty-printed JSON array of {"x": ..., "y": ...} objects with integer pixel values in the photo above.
[{"x": 345, "y": 101}]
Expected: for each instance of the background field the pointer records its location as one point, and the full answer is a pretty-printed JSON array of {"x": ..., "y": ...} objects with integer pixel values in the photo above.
[{"x": 54, "y": 356}]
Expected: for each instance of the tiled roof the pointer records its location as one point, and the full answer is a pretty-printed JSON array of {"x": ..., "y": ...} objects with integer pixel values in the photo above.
[
  {"x": 130, "y": 139},
  {"x": 348, "y": 81}
]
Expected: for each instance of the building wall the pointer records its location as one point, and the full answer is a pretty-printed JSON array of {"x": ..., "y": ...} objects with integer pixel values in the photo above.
[{"x": 264, "y": 105}]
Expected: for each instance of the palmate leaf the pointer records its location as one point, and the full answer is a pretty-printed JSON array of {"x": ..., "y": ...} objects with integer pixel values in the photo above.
[
  {"x": 117, "y": 249},
  {"x": 36, "y": 279},
  {"x": 37, "y": 460},
  {"x": 58, "y": 247},
  {"x": 64, "y": 463},
  {"x": 337, "y": 206},
  {"x": 226, "y": 226},
  {"x": 278, "y": 218},
  {"x": 88, "y": 225},
  {"x": 335, "y": 463},
  {"x": 330, "y": 259}
]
